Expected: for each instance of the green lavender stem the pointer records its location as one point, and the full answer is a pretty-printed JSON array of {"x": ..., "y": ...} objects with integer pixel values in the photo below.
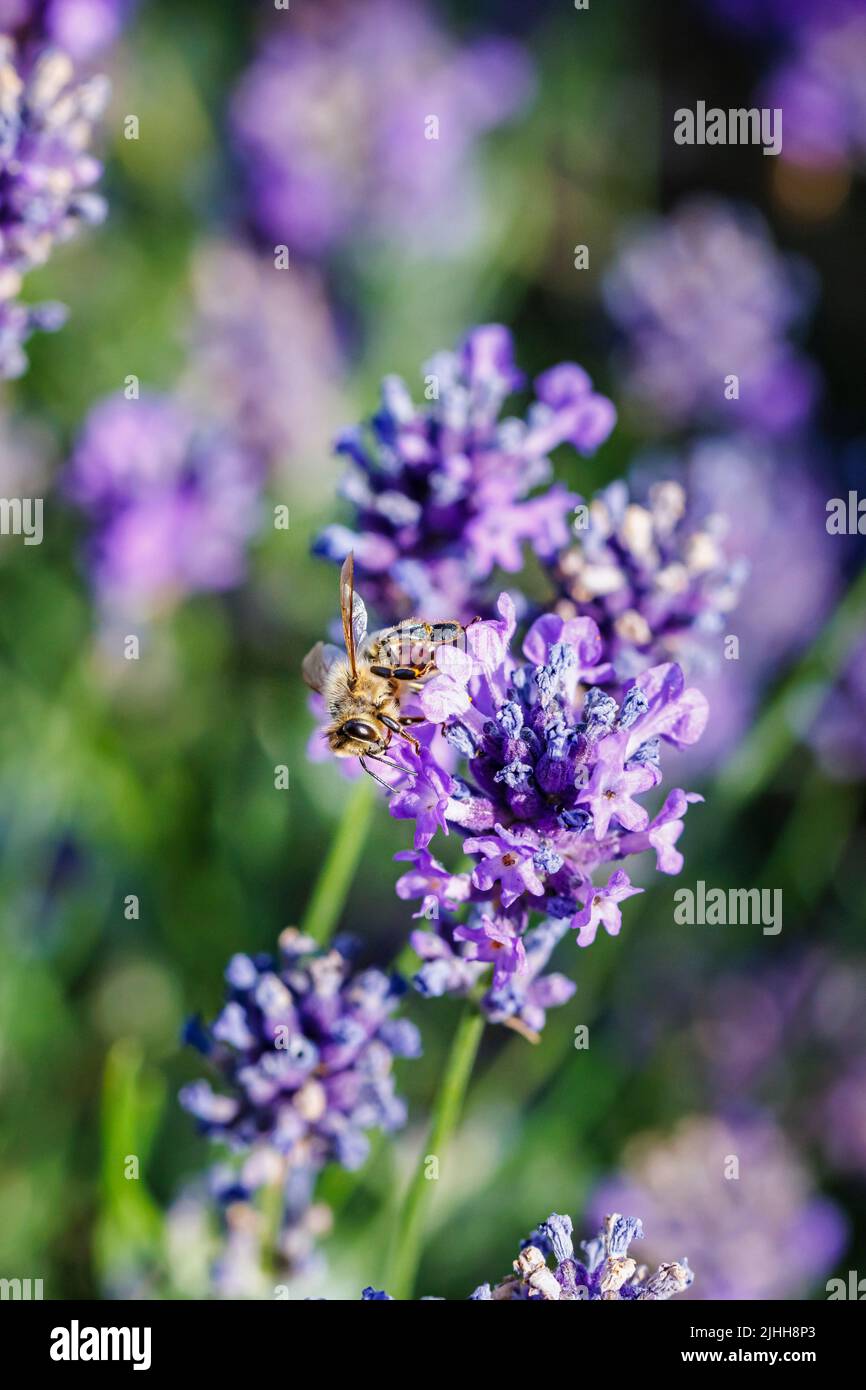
[
  {"x": 409, "y": 1237},
  {"x": 337, "y": 872}
]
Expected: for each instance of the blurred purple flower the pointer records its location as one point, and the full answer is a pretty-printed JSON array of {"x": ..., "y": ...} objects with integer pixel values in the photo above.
[
  {"x": 822, "y": 91},
  {"x": 46, "y": 124},
  {"x": 445, "y": 493},
  {"x": 765, "y": 500},
  {"x": 266, "y": 361},
  {"x": 220, "y": 1243},
  {"x": 842, "y": 1118},
  {"x": 306, "y": 1049},
  {"x": 702, "y": 295},
  {"x": 737, "y": 1198},
  {"x": 818, "y": 82},
  {"x": 794, "y": 1034},
  {"x": 82, "y": 28},
  {"x": 334, "y": 125},
  {"x": 172, "y": 505},
  {"x": 18, "y": 322}
]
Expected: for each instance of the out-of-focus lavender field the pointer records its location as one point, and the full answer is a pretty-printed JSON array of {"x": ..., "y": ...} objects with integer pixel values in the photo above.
[{"x": 209, "y": 264}]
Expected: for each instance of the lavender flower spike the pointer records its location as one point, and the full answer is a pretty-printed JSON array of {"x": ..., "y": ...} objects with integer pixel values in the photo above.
[
  {"x": 607, "y": 1271},
  {"x": 444, "y": 493},
  {"x": 82, "y": 28},
  {"x": 332, "y": 127},
  {"x": 551, "y": 772},
  {"x": 701, "y": 296},
  {"x": 173, "y": 502},
  {"x": 657, "y": 580},
  {"x": 46, "y": 123},
  {"x": 547, "y": 775},
  {"x": 306, "y": 1049},
  {"x": 547, "y": 1269}
]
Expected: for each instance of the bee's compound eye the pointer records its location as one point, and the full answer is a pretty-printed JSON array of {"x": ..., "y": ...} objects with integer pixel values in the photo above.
[{"x": 360, "y": 729}]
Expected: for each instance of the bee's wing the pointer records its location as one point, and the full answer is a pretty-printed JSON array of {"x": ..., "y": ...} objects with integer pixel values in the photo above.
[
  {"x": 353, "y": 612},
  {"x": 317, "y": 664},
  {"x": 359, "y": 621}
]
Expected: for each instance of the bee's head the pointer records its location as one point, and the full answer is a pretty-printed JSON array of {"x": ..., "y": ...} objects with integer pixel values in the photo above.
[{"x": 354, "y": 737}]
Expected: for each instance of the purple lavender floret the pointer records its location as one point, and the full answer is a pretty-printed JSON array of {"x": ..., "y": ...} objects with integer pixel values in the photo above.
[
  {"x": 444, "y": 493},
  {"x": 46, "y": 124},
  {"x": 306, "y": 1049},
  {"x": 703, "y": 295},
  {"x": 550, "y": 778},
  {"x": 522, "y": 1001},
  {"x": 520, "y": 997},
  {"x": 173, "y": 503},
  {"x": 333, "y": 124},
  {"x": 82, "y": 28},
  {"x": 658, "y": 582},
  {"x": 549, "y": 1270},
  {"x": 606, "y": 1271}
]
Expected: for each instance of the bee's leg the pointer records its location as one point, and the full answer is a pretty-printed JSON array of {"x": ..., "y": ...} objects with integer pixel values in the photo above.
[
  {"x": 412, "y": 719},
  {"x": 400, "y": 732},
  {"x": 409, "y": 739}
]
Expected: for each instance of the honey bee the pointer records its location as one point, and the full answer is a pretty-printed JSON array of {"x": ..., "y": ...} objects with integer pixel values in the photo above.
[{"x": 363, "y": 689}]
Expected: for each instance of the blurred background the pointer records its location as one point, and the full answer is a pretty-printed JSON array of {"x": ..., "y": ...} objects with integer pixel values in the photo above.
[{"x": 142, "y": 839}]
